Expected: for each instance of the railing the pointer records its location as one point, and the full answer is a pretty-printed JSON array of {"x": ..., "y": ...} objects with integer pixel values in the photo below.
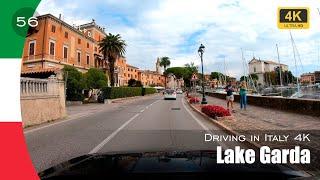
[{"x": 37, "y": 87}]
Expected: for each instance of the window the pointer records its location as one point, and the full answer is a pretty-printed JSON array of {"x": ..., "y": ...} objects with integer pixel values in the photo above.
[
  {"x": 52, "y": 48},
  {"x": 88, "y": 45},
  {"x": 32, "y": 45},
  {"x": 95, "y": 49},
  {"x": 65, "y": 52},
  {"x": 79, "y": 41},
  {"x": 66, "y": 35},
  {"x": 88, "y": 59},
  {"x": 79, "y": 57},
  {"x": 53, "y": 28},
  {"x": 254, "y": 69}
]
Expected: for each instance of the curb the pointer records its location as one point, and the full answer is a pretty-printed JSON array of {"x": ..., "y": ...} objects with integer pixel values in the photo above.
[{"x": 224, "y": 127}]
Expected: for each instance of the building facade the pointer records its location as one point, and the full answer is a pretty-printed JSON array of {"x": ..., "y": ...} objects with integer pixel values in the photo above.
[
  {"x": 307, "y": 78},
  {"x": 55, "y": 43},
  {"x": 259, "y": 67}
]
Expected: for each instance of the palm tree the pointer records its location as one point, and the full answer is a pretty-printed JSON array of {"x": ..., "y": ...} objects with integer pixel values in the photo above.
[
  {"x": 165, "y": 62},
  {"x": 112, "y": 47}
]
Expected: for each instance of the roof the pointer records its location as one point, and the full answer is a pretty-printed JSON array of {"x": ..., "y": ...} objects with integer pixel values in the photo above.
[
  {"x": 37, "y": 71},
  {"x": 266, "y": 61},
  {"x": 66, "y": 25}
]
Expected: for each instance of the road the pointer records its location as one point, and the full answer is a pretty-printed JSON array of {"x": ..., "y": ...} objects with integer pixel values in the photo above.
[{"x": 146, "y": 125}]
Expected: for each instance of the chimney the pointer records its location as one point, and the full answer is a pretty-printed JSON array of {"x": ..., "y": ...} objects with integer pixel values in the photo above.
[{"x": 59, "y": 16}]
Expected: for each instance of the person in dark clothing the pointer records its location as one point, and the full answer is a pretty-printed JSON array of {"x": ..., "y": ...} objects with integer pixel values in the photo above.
[{"x": 229, "y": 97}]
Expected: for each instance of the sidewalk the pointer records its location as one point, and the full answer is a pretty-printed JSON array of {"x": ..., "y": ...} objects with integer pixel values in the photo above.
[{"x": 260, "y": 118}]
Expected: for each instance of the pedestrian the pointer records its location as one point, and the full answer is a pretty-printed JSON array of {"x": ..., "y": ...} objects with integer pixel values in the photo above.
[
  {"x": 229, "y": 97},
  {"x": 243, "y": 95}
]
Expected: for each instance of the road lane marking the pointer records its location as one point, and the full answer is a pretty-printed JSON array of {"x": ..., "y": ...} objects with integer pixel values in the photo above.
[
  {"x": 224, "y": 146},
  {"x": 56, "y": 123},
  {"x": 105, "y": 141},
  {"x": 112, "y": 135},
  {"x": 69, "y": 119}
]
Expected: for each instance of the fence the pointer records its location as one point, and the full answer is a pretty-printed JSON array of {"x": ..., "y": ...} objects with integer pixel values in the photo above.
[{"x": 42, "y": 100}]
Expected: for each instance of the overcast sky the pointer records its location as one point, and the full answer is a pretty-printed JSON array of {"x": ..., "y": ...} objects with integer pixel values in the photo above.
[{"x": 175, "y": 28}]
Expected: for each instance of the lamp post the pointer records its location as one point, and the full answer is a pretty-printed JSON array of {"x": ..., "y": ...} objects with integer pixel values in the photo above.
[{"x": 201, "y": 51}]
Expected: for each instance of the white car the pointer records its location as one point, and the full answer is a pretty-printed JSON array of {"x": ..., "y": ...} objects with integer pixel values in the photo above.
[
  {"x": 170, "y": 94},
  {"x": 179, "y": 91}
]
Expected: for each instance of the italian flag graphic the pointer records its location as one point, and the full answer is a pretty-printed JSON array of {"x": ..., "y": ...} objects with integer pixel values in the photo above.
[{"x": 15, "y": 162}]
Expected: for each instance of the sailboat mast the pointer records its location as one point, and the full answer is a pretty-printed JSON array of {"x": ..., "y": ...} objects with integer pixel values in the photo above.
[
  {"x": 295, "y": 63},
  {"x": 280, "y": 67}
]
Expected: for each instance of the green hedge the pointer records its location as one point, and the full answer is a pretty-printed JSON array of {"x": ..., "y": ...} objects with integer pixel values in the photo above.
[
  {"x": 122, "y": 92},
  {"x": 149, "y": 91}
]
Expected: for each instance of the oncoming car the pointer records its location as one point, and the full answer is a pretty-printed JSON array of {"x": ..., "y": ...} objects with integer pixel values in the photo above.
[
  {"x": 170, "y": 94},
  {"x": 179, "y": 91}
]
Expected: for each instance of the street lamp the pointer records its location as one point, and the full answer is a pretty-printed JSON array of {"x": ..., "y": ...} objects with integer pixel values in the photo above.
[{"x": 201, "y": 51}]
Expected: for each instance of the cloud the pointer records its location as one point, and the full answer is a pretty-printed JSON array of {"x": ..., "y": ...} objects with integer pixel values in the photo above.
[{"x": 176, "y": 29}]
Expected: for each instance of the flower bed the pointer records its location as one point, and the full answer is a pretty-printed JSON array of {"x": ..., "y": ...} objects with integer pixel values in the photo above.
[
  {"x": 215, "y": 111},
  {"x": 194, "y": 100}
]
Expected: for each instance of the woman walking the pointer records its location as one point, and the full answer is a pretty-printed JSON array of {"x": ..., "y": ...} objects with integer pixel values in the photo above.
[{"x": 243, "y": 95}]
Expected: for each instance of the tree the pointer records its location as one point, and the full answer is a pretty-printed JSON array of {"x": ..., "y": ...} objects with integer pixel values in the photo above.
[
  {"x": 165, "y": 62},
  {"x": 95, "y": 79},
  {"x": 112, "y": 47},
  {"x": 190, "y": 69},
  {"x": 131, "y": 82},
  {"x": 179, "y": 72},
  {"x": 75, "y": 83},
  {"x": 134, "y": 83}
]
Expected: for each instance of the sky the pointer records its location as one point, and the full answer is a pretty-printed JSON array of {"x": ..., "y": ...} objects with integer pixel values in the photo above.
[{"x": 176, "y": 28}]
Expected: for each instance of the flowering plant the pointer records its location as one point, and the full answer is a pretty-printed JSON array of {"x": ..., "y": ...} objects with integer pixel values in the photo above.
[
  {"x": 194, "y": 100},
  {"x": 215, "y": 111}
]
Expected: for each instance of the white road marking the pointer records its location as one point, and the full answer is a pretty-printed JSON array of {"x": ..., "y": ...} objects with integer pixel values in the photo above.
[
  {"x": 56, "y": 123},
  {"x": 105, "y": 141},
  {"x": 224, "y": 146},
  {"x": 112, "y": 135}
]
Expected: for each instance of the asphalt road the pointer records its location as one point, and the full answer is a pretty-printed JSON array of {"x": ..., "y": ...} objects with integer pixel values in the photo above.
[{"x": 146, "y": 125}]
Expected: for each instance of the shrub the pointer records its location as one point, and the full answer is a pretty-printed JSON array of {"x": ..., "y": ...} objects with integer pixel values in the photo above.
[
  {"x": 95, "y": 78},
  {"x": 120, "y": 92},
  {"x": 215, "y": 111},
  {"x": 149, "y": 91},
  {"x": 194, "y": 100},
  {"x": 75, "y": 83}
]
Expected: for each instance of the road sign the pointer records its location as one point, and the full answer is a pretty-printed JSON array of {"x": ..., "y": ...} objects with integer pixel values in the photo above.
[
  {"x": 194, "y": 77},
  {"x": 293, "y": 18}
]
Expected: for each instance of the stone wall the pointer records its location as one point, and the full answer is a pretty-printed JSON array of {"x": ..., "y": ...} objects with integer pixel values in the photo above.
[
  {"x": 42, "y": 100},
  {"x": 303, "y": 106}
]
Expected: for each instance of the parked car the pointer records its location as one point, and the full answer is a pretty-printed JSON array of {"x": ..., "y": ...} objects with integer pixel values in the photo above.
[
  {"x": 170, "y": 94},
  {"x": 179, "y": 91}
]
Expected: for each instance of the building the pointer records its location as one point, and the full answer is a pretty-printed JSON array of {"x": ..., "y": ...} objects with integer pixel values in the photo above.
[
  {"x": 307, "y": 78},
  {"x": 259, "y": 67},
  {"x": 317, "y": 76},
  {"x": 55, "y": 43}
]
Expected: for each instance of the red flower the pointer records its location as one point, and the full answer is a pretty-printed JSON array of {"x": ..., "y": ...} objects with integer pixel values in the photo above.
[
  {"x": 215, "y": 111},
  {"x": 194, "y": 100}
]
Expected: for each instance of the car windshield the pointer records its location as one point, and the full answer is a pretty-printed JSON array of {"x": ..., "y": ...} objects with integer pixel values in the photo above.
[{"x": 169, "y": 91}]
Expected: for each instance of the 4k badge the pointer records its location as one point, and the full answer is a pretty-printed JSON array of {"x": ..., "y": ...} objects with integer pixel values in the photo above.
[{"x": 293, "y": 18}]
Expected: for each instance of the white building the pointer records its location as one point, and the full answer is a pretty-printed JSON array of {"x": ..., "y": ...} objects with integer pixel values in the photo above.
[{"x": 259, "y": 67}]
